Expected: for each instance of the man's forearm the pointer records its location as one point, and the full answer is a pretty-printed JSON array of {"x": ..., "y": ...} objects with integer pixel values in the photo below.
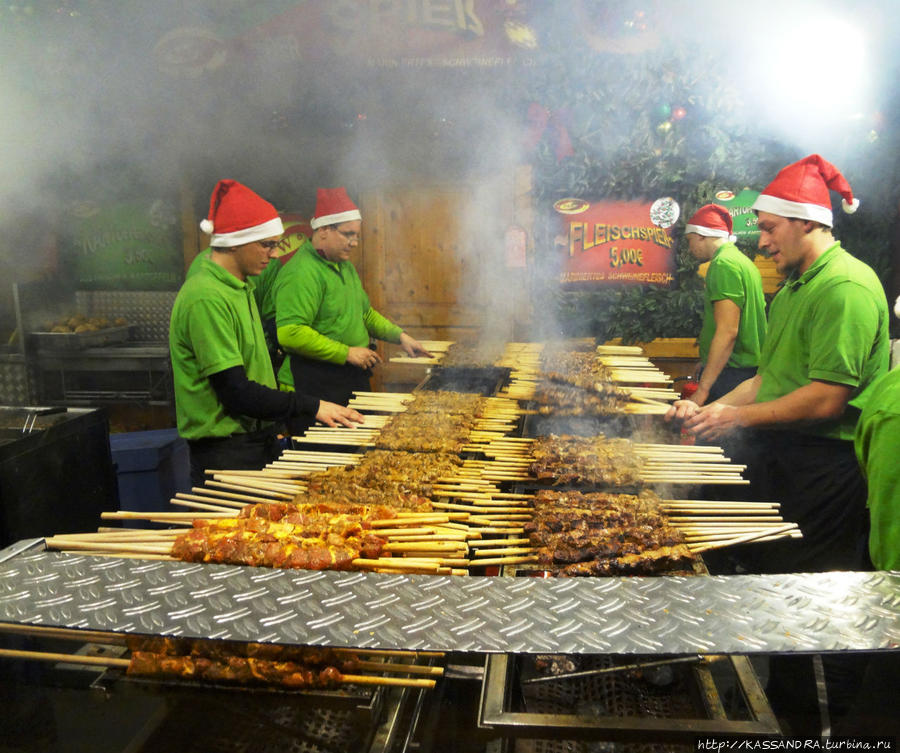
[
  {"x": 305, "y": 341},
  {"x": 380, "y": 327},
  {"x": 743, "y": 394},
  {"x": 812, "y": 403}
]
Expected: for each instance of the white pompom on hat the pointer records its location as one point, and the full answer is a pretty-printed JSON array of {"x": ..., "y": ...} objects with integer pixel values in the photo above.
[
  {"x": 333, "y": 206},
  {"x": 237, "y": 216},
  {"x": 711, "y": 220},
  {"x": 800, "y": 191}
]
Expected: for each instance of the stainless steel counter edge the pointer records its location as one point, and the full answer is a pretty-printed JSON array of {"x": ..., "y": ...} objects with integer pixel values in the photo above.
[{"x": 742, "y": 614}]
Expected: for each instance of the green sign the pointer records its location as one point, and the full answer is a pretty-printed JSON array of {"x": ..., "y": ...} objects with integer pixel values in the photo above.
[
  {"x": 742, "y": 217},
  {"x": 132, "y": 245}
]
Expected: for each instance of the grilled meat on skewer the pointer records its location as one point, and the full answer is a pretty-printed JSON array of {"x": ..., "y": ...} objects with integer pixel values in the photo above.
[
  {"x": 664, "y": 559},
  {"x": 568, "y": 400},
  {"x": 274, "y": 549},
  {"x": 224, "y": 650},
  {"x": 592, "y": 460},
  {"x": 234, "y": 669}
]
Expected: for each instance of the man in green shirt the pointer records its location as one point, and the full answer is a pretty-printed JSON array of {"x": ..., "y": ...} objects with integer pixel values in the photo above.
[
  {"x": 827, "y": 343},
  {"x": 324, "y": 319},
  {"x": 734, "y": 309},
  {"x": 877, "y": 444},
  {"x": 226, "y": 400},
  {"x": 263, "y": 284}
]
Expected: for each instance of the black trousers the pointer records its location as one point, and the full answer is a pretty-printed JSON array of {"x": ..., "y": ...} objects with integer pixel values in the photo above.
[
  {"x": 729, "y": 378},
  {"x": 251, "y": 452},
  {"x": 819, "y": 485},
  {"x": 326, "y": 381}
]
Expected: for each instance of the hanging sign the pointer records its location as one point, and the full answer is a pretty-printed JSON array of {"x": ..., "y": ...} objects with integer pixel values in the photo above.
[
  {"x": 131, "y": 245},
  {"x": 616, "y": 242},
  {"x": 743, "y": 217}
]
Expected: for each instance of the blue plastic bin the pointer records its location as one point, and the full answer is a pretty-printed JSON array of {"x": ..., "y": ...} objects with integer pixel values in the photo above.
[{"x": 152, "y": 466}]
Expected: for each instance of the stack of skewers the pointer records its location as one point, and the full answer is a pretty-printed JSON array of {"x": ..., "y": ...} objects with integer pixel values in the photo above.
[
  {"x": 413, "y": 504},
  {"x": 605, "y": 381},
  {"x": 305, "y": 535}
]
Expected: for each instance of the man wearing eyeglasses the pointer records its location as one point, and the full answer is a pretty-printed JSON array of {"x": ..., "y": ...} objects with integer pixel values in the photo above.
[
  {"x": 226, "y": 400},
  {"x": 324, "y": 319},
  {"x": 263, "y": 283}
]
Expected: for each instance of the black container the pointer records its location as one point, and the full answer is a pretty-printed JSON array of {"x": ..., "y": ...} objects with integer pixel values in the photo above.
[
  {"x": 618, "y": 425},
  {"x": 56, "y": 478},
  {"x": 486, "y": 381}
]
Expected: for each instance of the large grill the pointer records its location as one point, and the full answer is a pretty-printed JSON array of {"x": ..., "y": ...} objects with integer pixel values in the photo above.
[{"x": 602, "y": 622}]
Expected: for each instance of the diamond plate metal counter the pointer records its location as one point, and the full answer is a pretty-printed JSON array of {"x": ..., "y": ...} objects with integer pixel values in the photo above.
[{"x": 815, "y": 612}]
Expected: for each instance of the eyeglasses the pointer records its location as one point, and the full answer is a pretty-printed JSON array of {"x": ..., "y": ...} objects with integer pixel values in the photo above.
[
  {"x": 350, "y": 235},
  {"x": 269, "y": 245}
]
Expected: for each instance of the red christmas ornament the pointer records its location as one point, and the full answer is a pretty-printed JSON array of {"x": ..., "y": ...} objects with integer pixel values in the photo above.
[{"x": 678, "y": 113}]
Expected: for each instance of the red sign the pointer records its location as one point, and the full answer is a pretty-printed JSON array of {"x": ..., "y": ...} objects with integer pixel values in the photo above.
[{"x": 613, "y": 242}]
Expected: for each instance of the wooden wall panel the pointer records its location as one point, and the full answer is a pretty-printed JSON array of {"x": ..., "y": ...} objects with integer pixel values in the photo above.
[{"x": 433, "y": 259}]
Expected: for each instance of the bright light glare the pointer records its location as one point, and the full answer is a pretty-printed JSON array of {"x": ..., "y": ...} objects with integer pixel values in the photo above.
[{"x": 814, "y": 76}]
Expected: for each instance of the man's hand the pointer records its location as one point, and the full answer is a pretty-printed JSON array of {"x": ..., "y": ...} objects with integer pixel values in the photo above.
[
  {"x": 412, "y": 346},
  {"x": 364, "y": 358},
  {"x": 714, "y": 420},
  {"x": 682, "y": 410},
  {"x": 332, "y": 414}
]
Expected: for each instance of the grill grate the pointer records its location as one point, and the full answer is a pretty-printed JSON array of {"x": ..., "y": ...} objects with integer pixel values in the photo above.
[
  {"x": 202, "y": 726},
  {"x": 660, "y": 693}
]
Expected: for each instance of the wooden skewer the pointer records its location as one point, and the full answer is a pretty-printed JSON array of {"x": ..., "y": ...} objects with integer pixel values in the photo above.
[
  {"x": 410, "y": 669},
  {"x": 509, "y": 550},
  {"x": 415, "y": 519},
  {"x": 103, "y": 661},
  {"x": 90, "y": 636},
  {"x": 747, "y": 537},
  {"x": 177, "y": 502},
  {"x": 422, "y": 546},
  {"x": 502, "y": 561},
  {"x": 212, "y": 490},
  {"x": 281, "y": 490},
  {"x": 497, "y": 543},
  {"x": 60, "y": 542},
  {"x": 396, "y": 563},
  {"x": 160, "y": 516}
]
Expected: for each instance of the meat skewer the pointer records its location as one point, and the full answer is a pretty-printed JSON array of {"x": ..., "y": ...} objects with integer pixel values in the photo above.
[{"x": 236, "y": 670}]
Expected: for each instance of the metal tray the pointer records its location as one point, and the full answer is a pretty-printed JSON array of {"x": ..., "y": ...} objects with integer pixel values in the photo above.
[{"x": 67, "y": 341}]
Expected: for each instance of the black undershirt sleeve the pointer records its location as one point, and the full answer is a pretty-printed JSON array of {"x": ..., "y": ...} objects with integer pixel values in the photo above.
[{"x": 243, "y": 397}]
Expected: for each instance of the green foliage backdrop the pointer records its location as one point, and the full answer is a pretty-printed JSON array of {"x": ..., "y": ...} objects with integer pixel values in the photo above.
[{"x": 627, "y": 145}]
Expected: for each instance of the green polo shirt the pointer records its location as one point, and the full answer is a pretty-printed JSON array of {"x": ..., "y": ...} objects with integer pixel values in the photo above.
[
  {"x": 877, "y": 444},
  {"x": 215, "y": 325},
  {"x": 322, "y": 310},
  {"x": 732, "y": 276},
  {"x": 828, "y": 324}
]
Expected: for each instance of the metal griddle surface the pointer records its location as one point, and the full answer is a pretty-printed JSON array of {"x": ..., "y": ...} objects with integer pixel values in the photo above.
[{"x": 813, "y": 612}]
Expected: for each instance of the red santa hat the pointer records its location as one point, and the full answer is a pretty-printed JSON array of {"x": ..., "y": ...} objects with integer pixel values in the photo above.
[
  {"x": 711, "y": 220},
  {"x": 800, "y": 190},
  {"x": 237, "y": 216},
  {"x": 333, "y": 207}
]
